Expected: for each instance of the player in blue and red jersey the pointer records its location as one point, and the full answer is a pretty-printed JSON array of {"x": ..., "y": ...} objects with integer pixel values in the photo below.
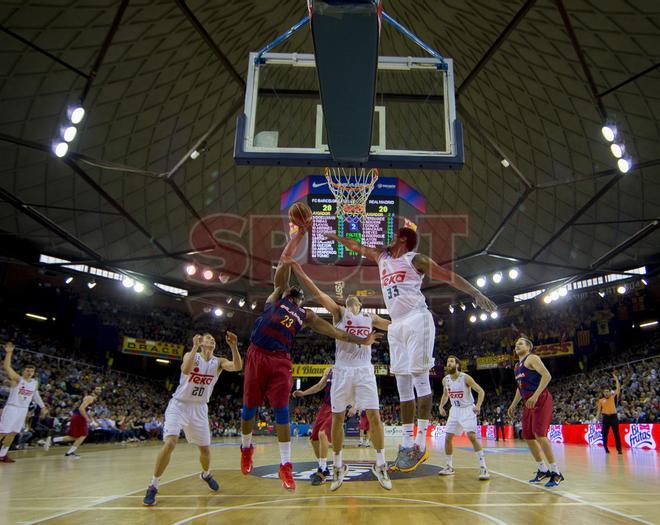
[
  {"x": 268, "y": 370},
  {"x": 532, "y": 379}
]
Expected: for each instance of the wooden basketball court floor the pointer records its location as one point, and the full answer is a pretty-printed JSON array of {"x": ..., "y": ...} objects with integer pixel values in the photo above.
[{"x": 108, "y": 483}]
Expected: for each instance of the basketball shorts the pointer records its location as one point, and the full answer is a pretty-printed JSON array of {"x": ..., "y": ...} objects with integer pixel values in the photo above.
[
  {"x": 13, "y": 419},
  {"x": 192, "y": 418},
  {"x": 536, "y": 421},
  {"x": 354, "y": 386},
  {"x": 411, "y": 341},
  {"x": 78, "y": 426},
  {"x": 323, "y": 422},
  {"x": 461, "y": 419},
  {"x": 268, "y": 376},
  {"x": 364, "y": 423}
]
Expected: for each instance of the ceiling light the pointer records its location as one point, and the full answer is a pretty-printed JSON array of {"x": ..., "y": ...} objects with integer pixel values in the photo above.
[
  {"x": 195, "y": 154},
  {"x": 76, "y": 114},
  {"x": 494, "y": 315},
  {"x": 451, "y": 309},
  {"x": 621, "y": 290},
  {"x": 191, "y": 269},
  {"x": 218, "y": 312},
  {"x": 609, "y": 132},
  {"x": 547, "y": 299},
  {"x": 513, "y": 273},
  {"x": 228, "y": 300},
  {"x": 138, "y": 287},
  {"x": 481, "y": 282},
  {"x": 647, "y": 324},
  {"x": 162, "y": 361},
  {"x": 36, "y": 317},
  {"x": 463, "y": 307},
  {"x": 60, "y": 149},
  {"x": 207, "y": 274},
  {"x": 483, "y": 316},
  {"x": 617, "y": 150},
  {"x": 473, "y": 318},
  {"x": 645, "y": 282},
  {"x": 128, "y": 282},
  {"x": 241, "y": 302},
  {"x": 563, "y": 292},
  {"x": 624, "y": 165},
  {"x": 68, "y": 280},
  {"x": 554, "y": 295},
  {"x": 253, "y": 305},
  {"x": 601, "y": 293},
  {"x": 497, "y": 277},
  {"x": 69, "y": 133},
  {"x": 505, "y": 163},
  {"x": 91, "y": 284}
]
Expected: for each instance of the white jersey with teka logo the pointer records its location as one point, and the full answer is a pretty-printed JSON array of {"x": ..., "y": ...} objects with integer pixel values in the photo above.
[
  {"x": 197, "y": 386},
  {"x": 401, "y": 284},
  {"x": 350, "y": 354},
  {"x": 21, "y": 395},
  {"x": 460, "y": 395}
]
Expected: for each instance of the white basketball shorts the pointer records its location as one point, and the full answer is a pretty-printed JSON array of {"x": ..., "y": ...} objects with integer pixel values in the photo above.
[
  {"x": 411, "y": 342},
  {"x": 355, "y": 386},
  {"x": 461, "y": 419},
  {"x": 192, "y": 418},
  {"x": 13, "y": 419}
]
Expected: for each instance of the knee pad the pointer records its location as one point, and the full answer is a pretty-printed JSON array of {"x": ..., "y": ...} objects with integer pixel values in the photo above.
[
  {"x": 248, "y": 413},
  {"x": 422, "y": 384},
  {"x": 404, "y": 384},
  {"x": 281, "y": 415}
]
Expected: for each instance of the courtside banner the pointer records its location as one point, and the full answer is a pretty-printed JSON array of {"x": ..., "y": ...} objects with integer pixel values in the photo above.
[
  {"x": 554, "y": 350},
  {"x": 492, "y": 361},
  {"x": 641, "y": 435},
  {"x": 302, "y": 370},
  {"x": 160, "y": 349}
]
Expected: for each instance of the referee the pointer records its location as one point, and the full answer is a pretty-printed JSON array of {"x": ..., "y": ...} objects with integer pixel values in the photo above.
[{"x": 607, "y": 407}]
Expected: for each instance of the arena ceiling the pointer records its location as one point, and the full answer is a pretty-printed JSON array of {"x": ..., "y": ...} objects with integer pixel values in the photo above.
[{"x": 535, "y": 82}]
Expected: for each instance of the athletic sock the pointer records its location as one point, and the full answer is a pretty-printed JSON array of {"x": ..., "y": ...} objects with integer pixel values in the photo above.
[
  {"x": 481, "y": 458},
  {"x": 3, "y": 451},
  {"x": 71, "y": 450},
  {"x": 246, "y": 440},
  {"x": 155, "y": 482},
  {"x": 323, "y": 464},
  {"x": 285, "y": 452},
  {"x": 408, "y": 439},
  {"x": 337, "y": 458},
  {"x": 420, "y": 440},
  {"x": 450, "y": 461},
  {"x": 380, "y": 457},
  {"x": 554, "y": 468},
  {"x": 542, "y": 466},
  {"x": 206, "y": 474}
]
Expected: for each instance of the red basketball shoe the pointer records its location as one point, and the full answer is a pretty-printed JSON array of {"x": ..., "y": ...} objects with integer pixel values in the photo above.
[
  {"x": 286, "y": 475},
  {"x": 246, "y": 459}
]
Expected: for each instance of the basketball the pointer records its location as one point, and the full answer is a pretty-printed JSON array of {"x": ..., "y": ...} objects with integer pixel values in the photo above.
[{"x": 301, "y": 215}]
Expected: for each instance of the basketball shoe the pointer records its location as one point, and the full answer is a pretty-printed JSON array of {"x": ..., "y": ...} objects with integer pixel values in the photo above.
[
  {"x": 286, "y": 475},
  {"x": 246, "y": 459}
]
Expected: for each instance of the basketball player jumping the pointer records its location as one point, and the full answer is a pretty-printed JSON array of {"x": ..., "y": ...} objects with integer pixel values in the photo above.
[
  {"x": 78, "y": 426},
  {"x": 463, "y": 412},
  {"x": 268, "y": 362},
  {"x": 322, "y": 429},
  {"x": 412, "y": 332},
  {"x": 532, "y": 378},
  {"x": 188, "y": 410},
  {"x": 23, "y": 389},
  {"x": 354, "y": 378}
]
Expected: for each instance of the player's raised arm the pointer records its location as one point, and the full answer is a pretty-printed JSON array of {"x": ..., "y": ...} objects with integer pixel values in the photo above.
[
  {"x": 188, "y": 362},
  {"x": 428, "y": 266},
  {"x": 469, "y": 381},
  {"x": 236, "y": 363},
  {"x": 314, "y": 389},
  {"x": 380, "y": 323},
  {"x": 618, "y": 386},
  {"x": 325, "y": 328},
  {"x": 9, "y": 352},
  {"x": 323, "y": 298},
  {"x": 354, "y": 246}
]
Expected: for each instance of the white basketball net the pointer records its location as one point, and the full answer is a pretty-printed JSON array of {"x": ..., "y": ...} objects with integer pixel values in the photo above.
[{"x": 351, "y": 188}]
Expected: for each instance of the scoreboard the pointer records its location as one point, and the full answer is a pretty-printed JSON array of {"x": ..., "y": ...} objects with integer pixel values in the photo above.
[{"x": 390, "y": 202}]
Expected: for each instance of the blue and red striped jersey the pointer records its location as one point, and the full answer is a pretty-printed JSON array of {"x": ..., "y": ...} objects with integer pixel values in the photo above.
[
  {"x": 326, "y": 393},
  {"x": 276, "y": 328},
  {"x": 528, "y": 380}
]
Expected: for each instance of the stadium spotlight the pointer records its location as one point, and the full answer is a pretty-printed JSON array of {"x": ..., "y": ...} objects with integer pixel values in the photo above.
[
  {"x": 481, "y": 282},
  {"x": 195, "y": 154},
  {"x": 60, "y": 149},
  {"x": 218, "y": 312},
  {"x": 128, "y": 282},
  {"x": 91, "y": 284},
  {"x": 138, "y": 287},
  {"x": 563, "y": 291},
  {"x": 609, "y": 132},
  {"x": 497, "y": 277},
  {"x": 621, "y": 290},
  {"x": 451, "y": 309},
  {"x": 76, "y": 114},
  {"x": 617, "y": 150},
  {"x": 191, "y": 269},
  {"x": 463, "y": 307},
  {"x": 228, "y": 300},
  {"x": 207, "y": 274},
  {"x": 513, "y": 273},
  {"x": 483, "y": 316},
  {"x": 473, "y": 318},
  {"x": 69, "y": 133},
  {"x": 494, "y": 315},
  {"x": 68, "y": 280},
  {"x": 505, "y": 163},
  {"x": 645, "y": 282},
  {"x": 601, "y": 293},
  {"x": 554, "y": 295},
  {"x": 241, "y": 302},
  {"x": 624, "y": 165},
  {"x": 547, "y": 299},
  {"x": 253, "y": 305}
]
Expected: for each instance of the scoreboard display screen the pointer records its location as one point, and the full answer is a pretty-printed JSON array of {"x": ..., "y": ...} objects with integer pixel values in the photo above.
[{"x": 377, "y": 228}]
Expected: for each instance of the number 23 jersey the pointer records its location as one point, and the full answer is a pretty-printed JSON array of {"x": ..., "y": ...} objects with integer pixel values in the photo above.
[
  {"x": 401, "y": 284},
  {"x": 197, "y": 386}
]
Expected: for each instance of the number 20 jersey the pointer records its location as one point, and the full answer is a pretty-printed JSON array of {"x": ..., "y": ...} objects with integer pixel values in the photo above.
[
  {"x": 401, "y": 284},
  {"x": 197, "y": 386}
]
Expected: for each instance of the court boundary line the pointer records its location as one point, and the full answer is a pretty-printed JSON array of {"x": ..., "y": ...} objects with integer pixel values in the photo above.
[{"x": 576, "y": 498}]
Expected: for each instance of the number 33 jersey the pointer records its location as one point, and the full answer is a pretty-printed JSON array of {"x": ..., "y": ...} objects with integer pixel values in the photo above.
[
  {"x": 197, "y": 386},
  {"x": 401, "y": 284}
]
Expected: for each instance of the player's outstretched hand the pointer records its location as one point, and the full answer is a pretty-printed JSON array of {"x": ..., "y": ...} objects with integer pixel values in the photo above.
[
  {"x": 485, "y": 303},
  {"x": 298, "y": 393},
  {"x": 9, "y": 347},
  {"x": 443, "y": 412},
  {"x": 231, "y": 339},
  {"x": 373, "y": 337},
  {"x": 197, "y": 341}
]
